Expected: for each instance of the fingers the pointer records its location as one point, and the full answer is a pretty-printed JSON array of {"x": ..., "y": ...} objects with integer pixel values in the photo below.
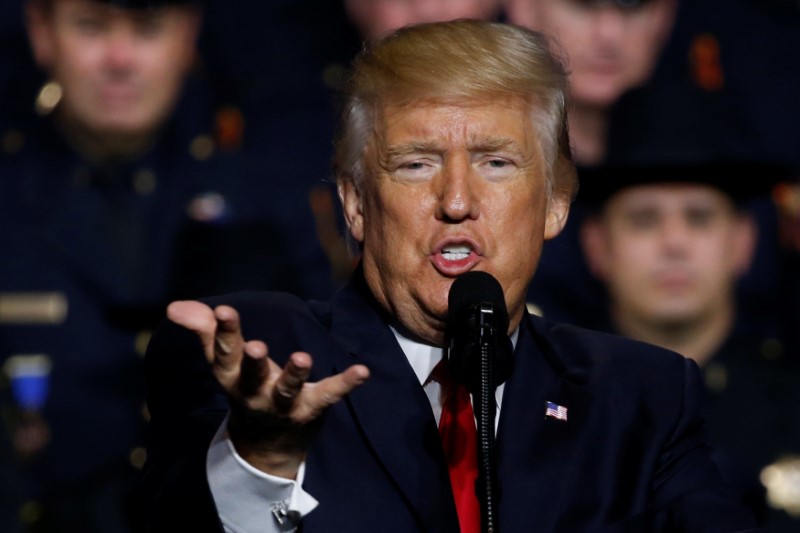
[
  {"x": 255, "y": 368},
  {"x": 197, "y": 317},
  {"x": 244, "y": 369},
  {"x": 290, "y": 382},
  {"x": 321, "y": 395},
  {"x": 220, "y": 333},
  {"x": 192, "y": 315},
  {"x": 228, "y": 344},
  {"x": 338, "y": 386}
]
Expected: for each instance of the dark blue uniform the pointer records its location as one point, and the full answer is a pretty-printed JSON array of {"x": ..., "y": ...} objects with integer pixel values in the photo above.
[
  {"x": 752, "y": 407},
  {"x": 91, "y": 257}
]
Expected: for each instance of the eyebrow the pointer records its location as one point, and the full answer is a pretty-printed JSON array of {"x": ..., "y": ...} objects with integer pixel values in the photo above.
[{"x": 484, "y": 145}]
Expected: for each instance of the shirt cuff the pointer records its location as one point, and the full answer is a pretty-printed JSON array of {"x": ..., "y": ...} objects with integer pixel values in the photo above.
[{"x": 249, "y": 500}]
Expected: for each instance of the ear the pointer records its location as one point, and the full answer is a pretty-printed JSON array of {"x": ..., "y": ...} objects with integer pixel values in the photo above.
[
  {"x": 556, "y": 218},
  {"x": 744, "y": 243},
  {"x": 39, "y": 24},
  {"x": 353, "y": 206},
  {"x": 666, "y": 16},
  {"x": 595, "y": 246},
  {"x": 195, "y": 25}
]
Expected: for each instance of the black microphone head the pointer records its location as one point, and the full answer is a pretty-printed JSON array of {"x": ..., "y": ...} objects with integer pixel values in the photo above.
[
  {"x": 476, "y": 287},
  {"x": 477, "y": 326}
]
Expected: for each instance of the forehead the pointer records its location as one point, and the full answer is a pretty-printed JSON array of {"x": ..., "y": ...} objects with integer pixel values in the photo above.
[
  {"x": 378, "y": 17},
  {"x": 622, "y": 5},
  {"x": 668, "y": 196},
  {"x": 455, "y": 119},
  {"x": 116, "y": 10}
]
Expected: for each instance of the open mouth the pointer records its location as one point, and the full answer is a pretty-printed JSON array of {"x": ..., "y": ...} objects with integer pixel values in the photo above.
[{"x": 456, "y": 252}]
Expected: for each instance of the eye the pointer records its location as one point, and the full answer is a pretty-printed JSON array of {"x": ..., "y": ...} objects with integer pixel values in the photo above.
[
  {"x": 699, "y": 218},
  {"x": 496, "y": 168},
  {"x": 89, "y": 25},
  {"x": 151, "y": 26},
  {"x": 414, "y": 170},
  {"x": 643, "y": 220}
]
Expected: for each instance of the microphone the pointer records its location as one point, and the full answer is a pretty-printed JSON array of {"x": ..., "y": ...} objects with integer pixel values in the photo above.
[
  {"x": 477, "y": 323},
  {"x": 480, "y": 355}
]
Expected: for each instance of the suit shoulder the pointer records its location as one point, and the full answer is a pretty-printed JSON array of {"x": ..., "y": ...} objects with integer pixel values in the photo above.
[{"x": 590, "y": 354}]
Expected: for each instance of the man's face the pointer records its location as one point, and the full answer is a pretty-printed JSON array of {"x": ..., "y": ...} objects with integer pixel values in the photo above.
[
  {"x": 455, "y": 187},
  {"x": 670, "y": 254},
  {"x": 121, "y": 70},
  {"x": 610, "y": 49},
  {"x": 376, "y": 18}
]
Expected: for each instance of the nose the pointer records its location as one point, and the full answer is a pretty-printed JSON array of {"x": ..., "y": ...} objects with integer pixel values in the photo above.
[
  {"x": 675, "y": 233},
  {"x": 120, "y": 49},
  {"x": 609, "y": 23},
  {"x": 456, "y": 191}
]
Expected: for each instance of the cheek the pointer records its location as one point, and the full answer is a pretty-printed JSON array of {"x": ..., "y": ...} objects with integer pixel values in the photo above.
[
  {"x": 640, "y": 59},
  {"x": 387, "y": 222},
  {"x": 162, "y": 66},
  {"x": 628, "y": 258},
  {"x": 715, "y": 258},
  {"x": 521, "y": 223},
  {"x": 76, "y": 68}
]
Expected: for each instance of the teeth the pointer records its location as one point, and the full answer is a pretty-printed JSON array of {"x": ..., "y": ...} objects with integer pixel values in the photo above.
[{"x": 456, "y": 253}]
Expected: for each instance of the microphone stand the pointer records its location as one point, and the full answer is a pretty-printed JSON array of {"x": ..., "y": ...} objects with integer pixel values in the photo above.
[{"x": 485, "y": 410}]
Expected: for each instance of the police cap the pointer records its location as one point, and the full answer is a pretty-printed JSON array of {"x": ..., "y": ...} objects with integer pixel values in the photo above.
[
  {"x": 741, "y": 180},
  {"x": 677, "y": 133}
]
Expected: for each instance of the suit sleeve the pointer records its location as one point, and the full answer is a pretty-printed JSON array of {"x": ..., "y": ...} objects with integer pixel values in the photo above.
[{"x": 186, "y": 407}]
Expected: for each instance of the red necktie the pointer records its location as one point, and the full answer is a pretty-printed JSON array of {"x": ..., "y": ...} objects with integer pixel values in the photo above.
[{"x": 457, "y": 430}]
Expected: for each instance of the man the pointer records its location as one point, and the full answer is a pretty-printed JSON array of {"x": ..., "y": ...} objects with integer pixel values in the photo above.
[
  {"x": 105, "y": 191},
  {"x": 453, "y": 157},
  {"x": 671, "y": 243},
  {"x": 294, "y": 116},
  {"x": 611, "y": 47},
  {"x": 377, "y": 18}
]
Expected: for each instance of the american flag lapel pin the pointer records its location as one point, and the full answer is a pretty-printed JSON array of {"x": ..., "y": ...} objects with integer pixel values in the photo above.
[{"x": 553, "y": 410}]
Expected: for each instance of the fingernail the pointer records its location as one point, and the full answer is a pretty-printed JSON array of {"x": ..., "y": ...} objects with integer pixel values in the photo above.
[{"x": 221, "y": 346}]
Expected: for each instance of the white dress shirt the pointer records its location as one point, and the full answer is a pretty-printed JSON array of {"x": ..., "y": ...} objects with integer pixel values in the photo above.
[{"x": 251, "y": 501}]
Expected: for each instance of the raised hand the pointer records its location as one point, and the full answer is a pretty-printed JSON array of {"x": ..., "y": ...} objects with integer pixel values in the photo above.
[{"x": 273, "y": 410}]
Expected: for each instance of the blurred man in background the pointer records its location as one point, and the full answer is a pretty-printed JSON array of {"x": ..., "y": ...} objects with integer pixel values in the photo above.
[
  {"x": 611, "y": 47},
  {"x": 117, "y": 192},
  {"x": 670, "y": 243},
  {"x": 376, "y": 18}
]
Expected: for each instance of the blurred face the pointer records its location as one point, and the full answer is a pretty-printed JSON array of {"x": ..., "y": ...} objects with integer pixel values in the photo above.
[
  {"x": 610, "y": 49},
  {"x": 455, "y": 187},
  {"x": 669, "y": 254},
  {"x": 121, "y": 70},
  {"x": 376, "y": 18}
]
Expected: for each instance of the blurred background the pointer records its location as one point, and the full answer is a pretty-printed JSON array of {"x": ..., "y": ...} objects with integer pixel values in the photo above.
[{"x": 160, "y": 149}]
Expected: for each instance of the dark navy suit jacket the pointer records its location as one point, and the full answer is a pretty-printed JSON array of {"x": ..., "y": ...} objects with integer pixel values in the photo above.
[{"x": 630, "y": 457}]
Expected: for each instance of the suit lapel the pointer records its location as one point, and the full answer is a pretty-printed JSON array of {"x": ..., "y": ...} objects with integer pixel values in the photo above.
[
  {"x": 392, "y": 409},
  {"x": 535, "y": 453}
]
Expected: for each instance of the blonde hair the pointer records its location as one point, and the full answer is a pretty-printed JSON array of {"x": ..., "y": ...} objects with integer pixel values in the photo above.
[{"x": 468, "y": 59}]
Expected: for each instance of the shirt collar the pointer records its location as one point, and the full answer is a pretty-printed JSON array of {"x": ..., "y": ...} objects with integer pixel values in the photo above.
[{"x": 424, "y": 357}]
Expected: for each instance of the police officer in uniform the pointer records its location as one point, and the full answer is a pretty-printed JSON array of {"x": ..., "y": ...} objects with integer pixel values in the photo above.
[
  {"x": 122, "y": 179},
  {"x": 670, "y": 241}
]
